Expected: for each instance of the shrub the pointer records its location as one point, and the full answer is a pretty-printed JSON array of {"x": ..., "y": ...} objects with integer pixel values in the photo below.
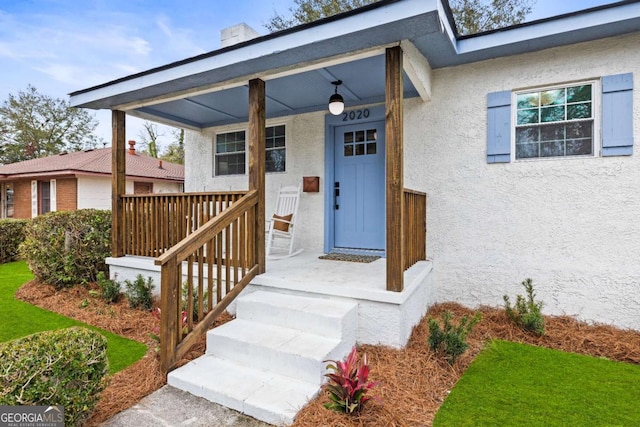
[
  {"x": 348, "y": 384},
  {"x": 139, "y": 292},
  {"x": 110, "y": 288},
  {"x": 11, "y": 236},
  {"x": 194, "y": 297},
  {"x": 68, "y": 248},
  {"x": 451, "y": 339},
  {"x": 527, "y": 313},
  {"x": 65, "y": 367}
]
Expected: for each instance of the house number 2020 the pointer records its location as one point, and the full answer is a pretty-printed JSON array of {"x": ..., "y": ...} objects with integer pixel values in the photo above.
[{"x": 355, "y": 115}]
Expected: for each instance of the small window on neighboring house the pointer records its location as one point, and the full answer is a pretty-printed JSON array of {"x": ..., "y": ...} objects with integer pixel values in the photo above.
[
  {"x": 7, "y": 205},
  {"x": 276, "y": 154},
  {"x": 45, "y": 197},
  {"x": 230, "y": 153},
  {"x": 142, "y": 187},
  {"x": 555, "y": 121}
]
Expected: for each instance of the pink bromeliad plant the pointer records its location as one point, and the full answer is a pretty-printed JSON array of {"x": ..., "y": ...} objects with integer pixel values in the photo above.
[{"x": 348, "y": 384}]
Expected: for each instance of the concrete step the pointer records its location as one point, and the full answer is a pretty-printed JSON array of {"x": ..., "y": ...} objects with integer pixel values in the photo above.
[
  {"x": 265, "y": 395},
  {"x": 321, "y": 316},
  {"x": 286, "y": 351}
]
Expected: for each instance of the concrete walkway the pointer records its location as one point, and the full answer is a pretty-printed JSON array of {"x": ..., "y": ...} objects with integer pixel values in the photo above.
[{"x": 172, "y": 407}]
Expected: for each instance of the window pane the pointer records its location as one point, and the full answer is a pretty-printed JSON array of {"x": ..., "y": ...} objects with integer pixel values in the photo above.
[
  {"x": 552, "y": 149},
  {"x": 360, "y": 136},
  {"x": 278, "y": 130},
  {"x": 579, "y": 111},
  {"x": 348, "y": 150},
  {"x": 372, "y": 135},
  {"x": 359, "y": 149},
  {"x": 279, "y": 141},
  {"x": 527, "y": 116},
  {"x": 552, "y": 97},
  {"x": 527, "y": 134},
  {"x": 528, "y": 100},
  {"x": 230, "y": 164},
  {"x": 579, "y": 93},
  {"x": 552, "y": 114},
  {"x": 524, "y": 151},
  {"x": 552, "y": 132},
  {"x": 268, "y": 132},
  {"x": 579, "y": 147},
  {"x": 372, "y": 148},
  {"x": 275, "y": 160},
  {"x": 580, "y": 130},
  {"x": 348, "y": 137}
]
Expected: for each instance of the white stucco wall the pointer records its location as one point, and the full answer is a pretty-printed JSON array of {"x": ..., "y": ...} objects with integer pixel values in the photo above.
[
  {"x": 305, "y": 157},
  {"x": 569, "y": 224},
  {"x": 95, "y": 192}
]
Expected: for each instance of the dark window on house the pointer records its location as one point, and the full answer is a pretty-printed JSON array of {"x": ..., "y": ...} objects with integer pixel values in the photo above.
[
  {"x": 555, "y": 122},
  {"x": 142, "y": 187},
  {"x": 45, "y": 197},
  {"x": 230, "y": 153},
  {"x": 276, "y": 154},
  {"x": 8, "y": 201}
]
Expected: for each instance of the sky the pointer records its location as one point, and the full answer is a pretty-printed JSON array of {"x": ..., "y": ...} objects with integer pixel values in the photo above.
[{"x": 60, "y": 46}]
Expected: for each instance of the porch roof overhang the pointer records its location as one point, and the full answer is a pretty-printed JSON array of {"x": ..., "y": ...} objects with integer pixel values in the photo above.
[{"x": 299, "y": 64}]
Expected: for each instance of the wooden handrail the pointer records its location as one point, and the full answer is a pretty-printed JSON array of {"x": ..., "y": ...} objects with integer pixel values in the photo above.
[
  {"x": 220, "y": 260},
  {"x": 415, "y": 227}
]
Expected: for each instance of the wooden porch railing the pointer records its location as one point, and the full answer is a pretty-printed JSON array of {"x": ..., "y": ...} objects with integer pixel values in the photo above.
[
  {"x": 220, "y": 260},
  {"x": 415, "y": 227},
  {"x": 154, "y": 223}
]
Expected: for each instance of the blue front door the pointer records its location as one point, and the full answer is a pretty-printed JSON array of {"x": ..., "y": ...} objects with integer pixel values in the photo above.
[{"x": 359, "y": 187}]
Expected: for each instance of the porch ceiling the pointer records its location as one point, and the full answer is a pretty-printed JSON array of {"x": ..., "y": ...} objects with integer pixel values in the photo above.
[{"x": 299, "y": 64}]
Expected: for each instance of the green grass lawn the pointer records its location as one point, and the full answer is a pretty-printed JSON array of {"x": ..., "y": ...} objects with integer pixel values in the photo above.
[
  {"x": 19, "y": 319},
  {"x": 510, "y": 384}
]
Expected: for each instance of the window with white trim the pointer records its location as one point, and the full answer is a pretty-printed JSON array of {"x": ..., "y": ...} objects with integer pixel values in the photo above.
[
  {"x": 230, "y": 151},
  {"x": 276, "y": 153},
  {"x": 555, "y": 121}
]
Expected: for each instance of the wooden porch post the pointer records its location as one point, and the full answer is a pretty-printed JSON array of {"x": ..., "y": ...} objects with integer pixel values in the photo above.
[
  {"x": 394, "y": 159},
  {"x": 257, "y": 164},
  {"x": 118, "y": 183}
]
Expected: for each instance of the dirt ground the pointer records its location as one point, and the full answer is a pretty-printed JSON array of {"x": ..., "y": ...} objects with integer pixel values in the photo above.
[{"x": 414, "y": 381}]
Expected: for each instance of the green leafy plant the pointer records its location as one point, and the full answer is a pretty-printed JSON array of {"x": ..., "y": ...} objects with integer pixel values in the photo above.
[
  {"x": 527, "y": 313},
  {"x": 64, "y": 367},
  {"x": 194, "y": 297},
  {"x": 11, "y": 236},
  {"x": 69, "y": 248},
  {"x": 139, "y": 292},
  {"x": 451, "y": 339},
  {"x": 348, "y": 384},
  {"x": 111, "y": 289}
]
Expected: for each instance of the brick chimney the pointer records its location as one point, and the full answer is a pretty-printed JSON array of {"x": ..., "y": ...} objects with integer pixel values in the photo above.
[
  {"x": 237, "y": 34},
  {"x": 132, "y": 147}
]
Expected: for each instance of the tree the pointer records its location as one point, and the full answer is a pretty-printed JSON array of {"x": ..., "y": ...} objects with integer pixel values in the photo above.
[
  {"x": 306, "y": 11},
  {"x": 471, "y": 16},
  {"x": 474, "y": 16},
  {"x": 149, "y": 139},
  {"x": 34, "y": 125},
  {"x": 175, "y": 150}
]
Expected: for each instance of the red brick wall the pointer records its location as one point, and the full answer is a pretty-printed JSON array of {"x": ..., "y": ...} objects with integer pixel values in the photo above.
[
  {"x": 67, "y": 194},
  {"x": 22, "y": 199}
]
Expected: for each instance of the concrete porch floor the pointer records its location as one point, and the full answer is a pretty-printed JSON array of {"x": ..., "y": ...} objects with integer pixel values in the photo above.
[{"x": 306, "y": 272}]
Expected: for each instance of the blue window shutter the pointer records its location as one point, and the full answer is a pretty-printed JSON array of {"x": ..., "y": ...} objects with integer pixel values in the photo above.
[
  {"x": 499, "y": 127},
  {"x": 617, "y": 115}
]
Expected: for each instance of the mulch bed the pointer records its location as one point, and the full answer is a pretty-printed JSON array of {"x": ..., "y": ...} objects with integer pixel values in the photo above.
[{"x": 415, "y": 381}]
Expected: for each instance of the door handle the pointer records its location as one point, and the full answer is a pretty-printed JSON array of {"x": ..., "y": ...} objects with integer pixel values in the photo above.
[{"x": 336, "y": 194}]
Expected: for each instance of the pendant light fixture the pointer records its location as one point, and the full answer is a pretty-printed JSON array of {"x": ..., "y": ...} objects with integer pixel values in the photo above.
[{"x": 336, "y": 102}]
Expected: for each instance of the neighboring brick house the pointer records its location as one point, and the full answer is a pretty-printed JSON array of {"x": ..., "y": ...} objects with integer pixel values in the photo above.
[{"x": 79, "y": 180}]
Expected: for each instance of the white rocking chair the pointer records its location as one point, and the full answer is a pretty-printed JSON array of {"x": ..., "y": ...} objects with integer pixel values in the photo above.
[{"x": 281, "y": 228}]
